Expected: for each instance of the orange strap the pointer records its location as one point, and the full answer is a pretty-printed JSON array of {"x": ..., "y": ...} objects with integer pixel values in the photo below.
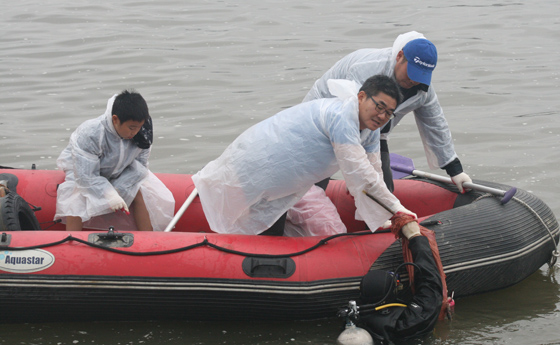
[{"x": 401, "y": 219}]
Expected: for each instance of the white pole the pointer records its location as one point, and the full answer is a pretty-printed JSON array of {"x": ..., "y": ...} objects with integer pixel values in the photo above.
[{"x": 181, "y": 211}]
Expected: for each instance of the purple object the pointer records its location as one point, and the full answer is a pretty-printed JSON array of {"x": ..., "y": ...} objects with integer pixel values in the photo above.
[
  {"x": 401, "y": 166},
  {"x": 508, "y": 195}
]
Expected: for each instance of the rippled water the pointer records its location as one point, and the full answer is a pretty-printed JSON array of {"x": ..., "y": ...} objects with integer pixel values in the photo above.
[{"x": 211, "y": 69}]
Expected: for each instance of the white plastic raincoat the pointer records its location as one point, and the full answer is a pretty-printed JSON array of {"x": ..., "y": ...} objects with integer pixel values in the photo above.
[
  {"x": 270, "y": 166},
  {"x": 98, "y": 163},
  {"x": 431, "y": 122},
  {"x": 313, "y": 215}
]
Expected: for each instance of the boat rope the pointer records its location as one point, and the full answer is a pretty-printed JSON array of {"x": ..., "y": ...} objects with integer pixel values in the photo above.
[
  {"x": 555, "y": 253},
  {"x": 52, "y": 222},
  {"x": 205, "y": 242}
]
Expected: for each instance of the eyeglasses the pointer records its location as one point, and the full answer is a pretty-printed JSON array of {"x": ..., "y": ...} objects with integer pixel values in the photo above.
[{"x": 382, "y": 109}]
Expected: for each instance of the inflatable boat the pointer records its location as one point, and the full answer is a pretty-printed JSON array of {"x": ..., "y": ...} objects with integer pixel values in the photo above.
[{"x": 48, "y": 274}]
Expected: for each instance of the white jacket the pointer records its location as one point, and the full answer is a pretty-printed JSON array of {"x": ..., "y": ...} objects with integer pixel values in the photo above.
[
  {"x": 271, "y": 165},
  {"x": 432, "y": 125},
  {"x": 98, "y": 163}
]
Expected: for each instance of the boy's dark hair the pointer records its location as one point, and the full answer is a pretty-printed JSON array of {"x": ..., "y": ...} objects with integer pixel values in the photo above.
[
  {"x": 381, "y": 83},
  {"x": 130, "y": 105}
]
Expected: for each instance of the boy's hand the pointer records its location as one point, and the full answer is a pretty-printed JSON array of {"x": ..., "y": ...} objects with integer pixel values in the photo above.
[
  {"x": 117, "y": 203},
  {"x": 120, "y": 205}
]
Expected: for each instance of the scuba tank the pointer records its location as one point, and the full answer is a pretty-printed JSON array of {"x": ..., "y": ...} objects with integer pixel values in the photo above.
[
  {"x": 353, "y": 335},
  {"x": 376, "y": 289}
]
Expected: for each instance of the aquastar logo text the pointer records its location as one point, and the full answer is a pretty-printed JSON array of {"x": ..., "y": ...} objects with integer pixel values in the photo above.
[{"x": 25, "y": 261}]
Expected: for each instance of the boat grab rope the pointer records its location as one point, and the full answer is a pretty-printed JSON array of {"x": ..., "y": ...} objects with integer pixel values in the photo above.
[
  {"x": 555, "y": 253},
  {"x": 205, "y": 242},
  {"x": 51, "y": 222}
]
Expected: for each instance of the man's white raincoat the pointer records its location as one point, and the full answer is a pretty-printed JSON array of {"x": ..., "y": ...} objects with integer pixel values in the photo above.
[
  {"x": 270, "y": 166},
  {"x": 431, "y": 122},
  {"x": 98, "y": 164}
]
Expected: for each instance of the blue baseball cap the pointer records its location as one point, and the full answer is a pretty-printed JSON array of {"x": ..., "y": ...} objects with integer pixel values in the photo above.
[{"x": 421, "y": 55}]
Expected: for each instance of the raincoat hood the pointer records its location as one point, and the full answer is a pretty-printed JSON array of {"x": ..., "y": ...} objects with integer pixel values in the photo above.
[
  {"x": 402, "y": 40},
  {"x": 344, "y": 89},
  {"x": 108, "y": 117}
]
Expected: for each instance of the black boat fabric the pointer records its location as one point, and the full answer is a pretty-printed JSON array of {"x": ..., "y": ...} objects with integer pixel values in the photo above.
[{"x": 470, "y": 241}]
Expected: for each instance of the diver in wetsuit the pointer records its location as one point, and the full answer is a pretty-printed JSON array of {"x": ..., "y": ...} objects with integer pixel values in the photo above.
[{"x": 387, "y": 318}]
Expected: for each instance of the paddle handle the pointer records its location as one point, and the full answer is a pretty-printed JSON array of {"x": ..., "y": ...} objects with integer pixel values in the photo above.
[
  {"x": 181, "y": 211},
  {"x": 507, "y": 195},
  {"x": 379, "y": 202}
]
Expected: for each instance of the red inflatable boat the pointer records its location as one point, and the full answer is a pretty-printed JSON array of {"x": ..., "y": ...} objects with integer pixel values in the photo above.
[{"x": 193, "y": 273}]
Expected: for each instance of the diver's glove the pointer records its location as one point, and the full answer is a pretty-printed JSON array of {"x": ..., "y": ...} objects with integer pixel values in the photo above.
[{"x": 410, "y": 230}]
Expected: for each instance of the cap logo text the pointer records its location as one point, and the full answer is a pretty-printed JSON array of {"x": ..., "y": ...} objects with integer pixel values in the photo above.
[{"x": 425, "y": 64}]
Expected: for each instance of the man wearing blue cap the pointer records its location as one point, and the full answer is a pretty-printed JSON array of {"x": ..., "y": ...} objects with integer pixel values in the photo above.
[{"x": 410, "y": 62}]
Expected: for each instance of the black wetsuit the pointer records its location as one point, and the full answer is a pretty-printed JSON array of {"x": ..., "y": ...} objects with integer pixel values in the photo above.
[{"x": 420, "y": 317}]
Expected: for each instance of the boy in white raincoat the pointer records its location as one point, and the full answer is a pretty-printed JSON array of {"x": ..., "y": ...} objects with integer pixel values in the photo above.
[
  {"x": 270, "y": 166},
  {"x": 106, "y": 167},
  {"x": 410, "y": 62}
]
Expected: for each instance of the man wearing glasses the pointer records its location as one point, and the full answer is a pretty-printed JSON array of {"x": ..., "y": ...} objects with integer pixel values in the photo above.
[
  {"x": 270, "y": 166},
  {"x": 410, "y": 62}
]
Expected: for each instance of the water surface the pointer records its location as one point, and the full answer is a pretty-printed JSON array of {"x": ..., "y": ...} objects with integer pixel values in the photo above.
[{"x": 211, "y": 69}]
